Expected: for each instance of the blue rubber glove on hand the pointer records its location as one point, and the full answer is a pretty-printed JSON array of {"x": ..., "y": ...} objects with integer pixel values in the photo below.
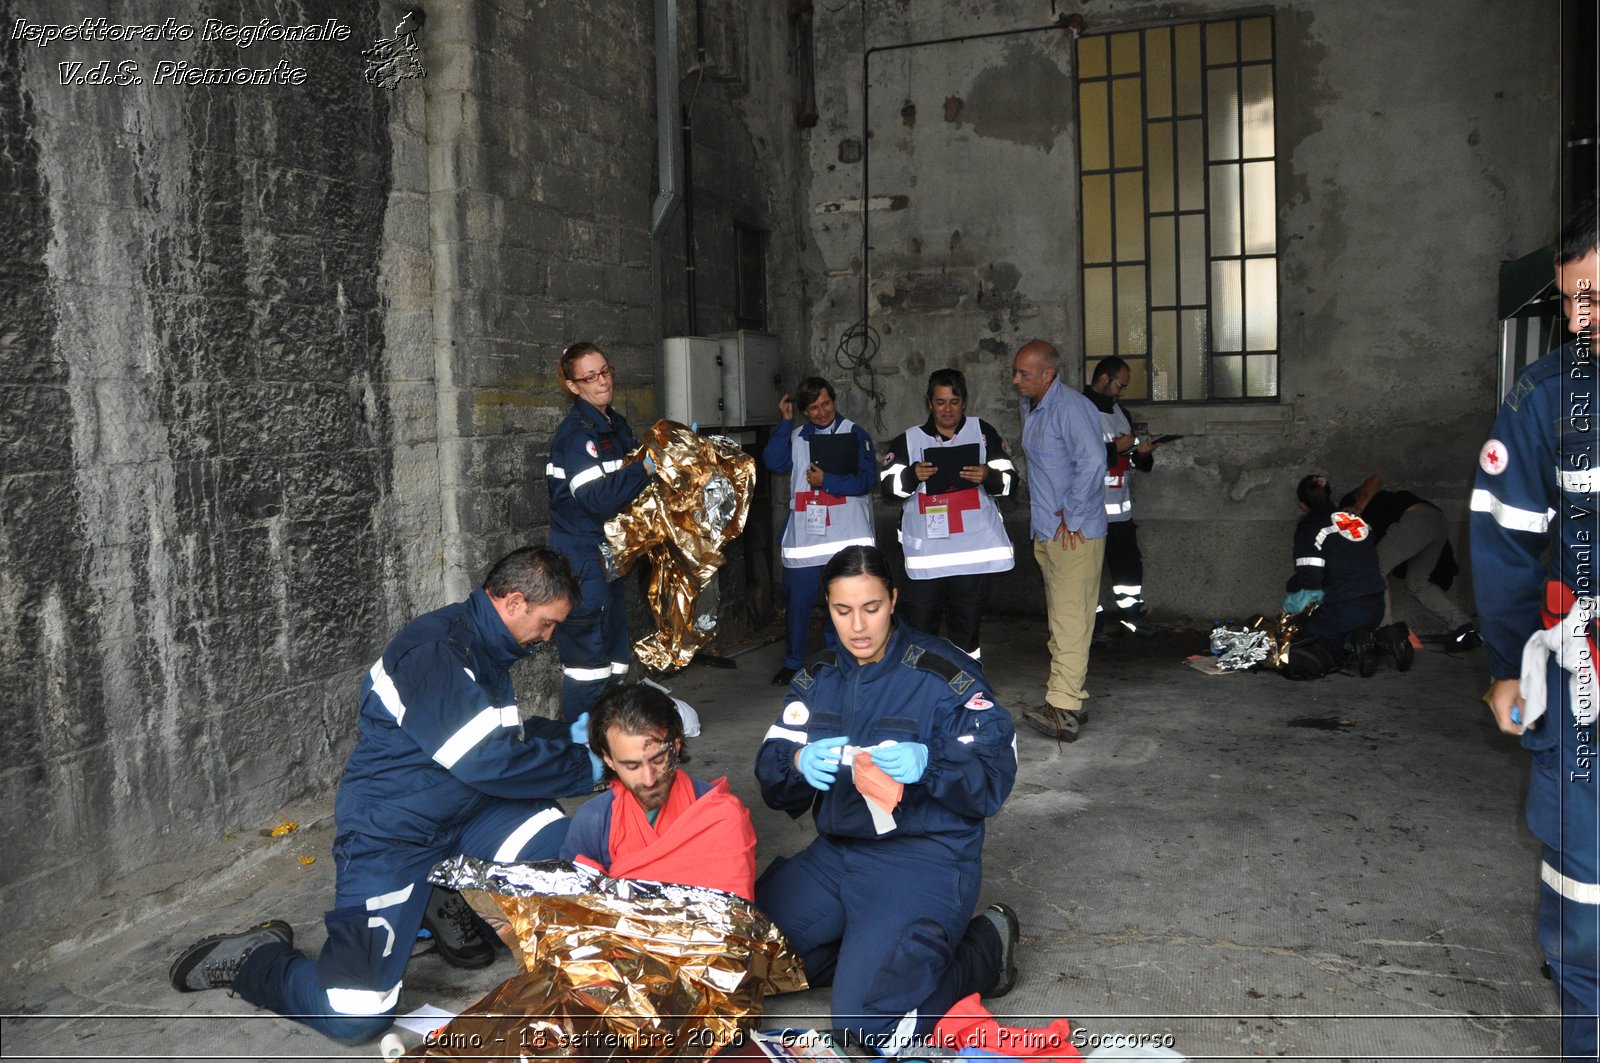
[
  {"x": 1300, "y": 601},
  {"x": 819, "y": 761},
  {"x": 597, "y": 766},
  {"x": 649, "y": 465},
  {"x": 694, "y": 426},
  {"x": 903, "y": 762},
  {"x": 580, "y": 730}
]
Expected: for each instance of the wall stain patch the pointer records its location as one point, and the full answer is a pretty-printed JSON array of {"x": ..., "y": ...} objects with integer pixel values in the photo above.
[{"x": 1027, "y": 100}]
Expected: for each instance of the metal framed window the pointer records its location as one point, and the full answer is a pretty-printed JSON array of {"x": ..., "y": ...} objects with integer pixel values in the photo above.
[
  {"x": 1179, "y": 238},
  {"x": 750, "y": 276}
]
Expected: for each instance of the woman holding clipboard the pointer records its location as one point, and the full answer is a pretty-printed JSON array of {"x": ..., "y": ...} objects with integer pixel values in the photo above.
[
  {"x": 831, "y": 471},
  {"x": 948, "y": 472}
]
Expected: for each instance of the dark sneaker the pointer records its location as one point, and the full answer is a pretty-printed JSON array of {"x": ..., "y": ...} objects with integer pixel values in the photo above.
[
  {"x": 213, "y": 962},
  {"x": 454, "y": 926},
  {"x": 1396, "y": 640},
  {"x": 1465, "y": 637},
  {"x": 1005, "y": 923},
  {"x": 781, "y": 677},
  {"x": 1061, "y": 724},
  {"x": 1366, "y": 653}
]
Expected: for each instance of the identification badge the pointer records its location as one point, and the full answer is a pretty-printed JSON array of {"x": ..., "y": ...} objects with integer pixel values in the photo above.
[
  {"x": 938, "y": 521},
  {"x": 816, "y": 519}
]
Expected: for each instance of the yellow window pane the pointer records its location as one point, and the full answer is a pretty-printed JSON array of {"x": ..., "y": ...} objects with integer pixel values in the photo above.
[
  {"x": 1222, "y": 100},
  {"x": 1130, "y": 310},
  {"x": 1127, "y": 122},
  {"x": 1191, "y": 166},
  {"x": 1097, "y": 217},
  {"x": 1130, "y": 217},
  {"x": 1164, "y": 355},
  {"x": 1258, "y": 111},
  {"x": 1092, "y": 126},
  {"x": 1138, "y": 380},
  {"x": 1163, "y": 262},
  {"x": 1227, "y": 306},
  {"x": 1091, "y": 57},
  {"x": 1260, "y": 376},
  {"x": 1255, "y": 39},
  {"x": 1260, "y": 208},
  {"x": 1226, "y": 235},
  {"x": 1227, "y": 377},
  {"x": 1160, "y": 165},
  {"x": 1192, "y": 259},
  {"x": 1219, "y": 43},
  {"x": 1186, "y": 47},
  {"x": 1125, "y": 53},
  {"x": 1261, "y": 304},
  {"x": 1158, "y": 72},
  {"x": 1099, "y": 326},
  {"x": 1194, "y": 343}
]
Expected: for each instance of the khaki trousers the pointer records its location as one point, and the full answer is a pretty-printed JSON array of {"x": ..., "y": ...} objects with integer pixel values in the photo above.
[{"x": 1071, "y": 591}]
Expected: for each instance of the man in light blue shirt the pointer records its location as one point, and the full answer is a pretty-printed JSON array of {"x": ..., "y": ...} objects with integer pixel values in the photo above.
[{"x": 1066, "y": 455}]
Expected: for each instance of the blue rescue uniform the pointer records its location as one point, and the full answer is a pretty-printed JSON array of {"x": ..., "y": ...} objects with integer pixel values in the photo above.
[
  {"x": 1335, "y": 553},
  {"x": 1534, "y": 531},
  {"x": 445, "y": 766},
  {"x": 882, "y": 916},
  {"x": 589, "y": 484}
]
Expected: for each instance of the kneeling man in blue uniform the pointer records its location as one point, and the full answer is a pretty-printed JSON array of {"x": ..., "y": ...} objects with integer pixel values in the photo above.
[{"x": 444, "y": 766}]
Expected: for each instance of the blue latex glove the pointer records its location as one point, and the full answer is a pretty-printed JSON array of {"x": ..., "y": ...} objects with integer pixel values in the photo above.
[
  {"x": 580, "y": 730},
  {"x": 1300, "y": 601},
  {"x": 903, "y": 762},
  {"x": 597, "y": 766},
  {"x": 694, "y": 426},
  {"x": 649, "y": 465},
  {"x": 819, "y": 761}
]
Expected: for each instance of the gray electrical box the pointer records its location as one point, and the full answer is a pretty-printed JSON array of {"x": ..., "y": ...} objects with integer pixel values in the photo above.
[
  {"x": 692, "y": 388},
  {"x": 752, "y": 381}
]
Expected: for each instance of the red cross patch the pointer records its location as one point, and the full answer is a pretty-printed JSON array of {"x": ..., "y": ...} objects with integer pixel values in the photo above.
[
  {"x": 1351, "y": 526},
  {"x": 978, "y": 701},
  {"x": 1492, "y": 458},
  {"x": 590, "y": 447}
]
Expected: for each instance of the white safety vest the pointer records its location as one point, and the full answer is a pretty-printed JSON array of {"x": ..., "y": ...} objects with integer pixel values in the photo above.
[
  {"x": 956, "y": 534},
  {"x": 1119, "y": 499},
  {"x": 811, "y": 540}
]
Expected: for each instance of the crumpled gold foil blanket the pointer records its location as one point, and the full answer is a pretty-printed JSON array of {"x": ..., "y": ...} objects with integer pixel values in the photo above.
[
  {"x": 615, "y": 968},
  {"x": 695, "y": 505}
]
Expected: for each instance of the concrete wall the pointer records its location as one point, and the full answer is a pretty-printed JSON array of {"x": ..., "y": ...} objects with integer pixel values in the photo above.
[
  {"x": 277, "y": 367},
  {"x": 1416, "y": 151}
]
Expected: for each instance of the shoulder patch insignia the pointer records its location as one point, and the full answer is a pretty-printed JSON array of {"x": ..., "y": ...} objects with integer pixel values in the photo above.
[
  {"x": 978, "y": 701},
  {"x": 803, "y": 679},
  {"x": 1351, "y": 526},
  {"x": 795, "y": 714},
  {"x": 913, "y": 655},
  {"x": 1493, "y": 458},
  {"x": 590, "y": 447},
  {"x": 961, "y": 682}
]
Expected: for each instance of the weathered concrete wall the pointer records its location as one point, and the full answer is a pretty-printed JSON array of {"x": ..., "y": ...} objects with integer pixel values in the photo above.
[
  {"x": 1415, "y": 152},
  {"x": 277, "y": 367}
]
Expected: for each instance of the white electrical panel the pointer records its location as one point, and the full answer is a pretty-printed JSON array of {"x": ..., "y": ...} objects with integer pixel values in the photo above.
[
  {"x": 692, "y": 390},
  {"x": 752, "y": 381}
]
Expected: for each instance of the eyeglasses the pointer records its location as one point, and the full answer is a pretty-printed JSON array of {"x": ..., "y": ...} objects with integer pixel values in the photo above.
[{"x": 598, "y": 374}]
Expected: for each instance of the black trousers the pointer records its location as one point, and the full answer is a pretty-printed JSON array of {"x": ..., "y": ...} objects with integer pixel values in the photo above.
[
  {"x": 1126, "y": 567},
  {"x": 957, "y": 601}
]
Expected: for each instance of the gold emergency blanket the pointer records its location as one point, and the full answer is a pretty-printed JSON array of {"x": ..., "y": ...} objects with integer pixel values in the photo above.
[
  {"x": 694, "y": 506},
  {"x": 615, "y": 968}
]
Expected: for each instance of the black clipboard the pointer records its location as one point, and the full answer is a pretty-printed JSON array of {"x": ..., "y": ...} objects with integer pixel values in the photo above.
[
  {"x": 835, "y": 453},
  {"x": 947, "y": 465}
]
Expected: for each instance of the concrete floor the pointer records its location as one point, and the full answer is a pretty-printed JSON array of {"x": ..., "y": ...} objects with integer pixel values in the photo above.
[{"x": 1202, "y": 863}]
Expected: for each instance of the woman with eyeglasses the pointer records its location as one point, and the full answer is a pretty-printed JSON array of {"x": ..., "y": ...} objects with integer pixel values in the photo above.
[
  {"x": 950, "y": 528},
  {"x": 829, "y": 509},
  {"x": 589, "y": 484}
]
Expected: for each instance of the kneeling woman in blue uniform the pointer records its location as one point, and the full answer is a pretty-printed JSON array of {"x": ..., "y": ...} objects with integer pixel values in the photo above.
[
  {"x": 1336, "y": 568},
  {"x": 589, "y": 484},
  {"x": 880, "y": 905},
  {"x": 828, "y": 509}
]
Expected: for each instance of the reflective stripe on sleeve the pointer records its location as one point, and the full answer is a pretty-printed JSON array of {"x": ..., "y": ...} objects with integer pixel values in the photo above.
[
  {"x": 619, "y": 667},
  {"x": 587, "y": 675},
  {"x": 892, "y": 476},
  {"x": 474, "y": 731},
  {"x": 525, "y": 833},
  {"x": 783, "y": 732},
  {"x": 1313, "y": 562},
  {"x": 587, "y": 476},
  {"x": 383, "y": 686},
  {"x": 1510, "y": 517},
  {"x": 1580, "y": 481},
  {"x": 555, "y": 472}
]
